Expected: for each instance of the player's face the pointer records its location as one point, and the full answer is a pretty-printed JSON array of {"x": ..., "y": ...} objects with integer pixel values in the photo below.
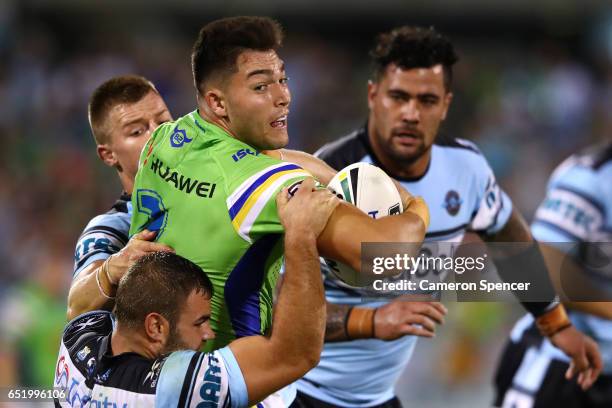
[
  {"x": 130, "y": 126},
  {"x": 406, "y": 110},
  {"x": 193, "y": 326},
  {"x": 257, "y": 100}
]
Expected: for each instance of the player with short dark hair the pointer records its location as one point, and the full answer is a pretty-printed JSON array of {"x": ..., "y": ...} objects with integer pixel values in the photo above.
[
  {"x": 154, "y": 287},
  {"x": 219, "y": 44},
  {"x": 206, "y": 189},
  {"x": 147, "y": 354},
  {"x": 408, "y": 99}
]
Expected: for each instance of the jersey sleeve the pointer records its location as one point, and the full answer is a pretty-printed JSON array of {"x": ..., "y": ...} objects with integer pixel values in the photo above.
[
  {"x": 195, "y": 379},
  {"x": 251, "y": 200},
  {"x": 493, "y": 206},
  {"x": 104, "y": 235},
  {"x": 571, "y": 210}
]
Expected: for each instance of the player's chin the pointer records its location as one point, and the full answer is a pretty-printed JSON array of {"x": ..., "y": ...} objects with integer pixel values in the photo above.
[
  {"x": 407, "y": 152},
  {"x": 277, "y": 139}
]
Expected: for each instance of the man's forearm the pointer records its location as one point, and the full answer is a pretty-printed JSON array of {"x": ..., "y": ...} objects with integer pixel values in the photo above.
[
  {"x": 300, "y": 313},
  {"x": 85, "y": 294},
  {"x": 519, "y": 263},
  {"x": 346, "y": 323},
  {"x": 335, "y": 325},
  {"x": 348, "y": 227}
]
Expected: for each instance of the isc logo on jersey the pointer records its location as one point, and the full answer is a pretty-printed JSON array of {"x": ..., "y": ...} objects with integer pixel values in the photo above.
[
  {"x": 373, "y": 192},
  {"x": 242, "y": 153}
]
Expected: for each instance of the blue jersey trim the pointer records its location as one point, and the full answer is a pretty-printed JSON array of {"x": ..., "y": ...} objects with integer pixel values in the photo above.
[
  {"x": 262, "y": 179},
  {"x": 239, "y": 395},
  {"x": 558, "y": 229},
  {"x": 107, "y": 230},
  {"x": 582, "y": 194},
  {"x": 243, "y": 286},
  {"x": 194, "y": 379}
]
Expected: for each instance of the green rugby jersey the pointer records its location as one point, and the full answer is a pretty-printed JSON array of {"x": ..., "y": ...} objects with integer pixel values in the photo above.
[{"x": 213, "y": 199}]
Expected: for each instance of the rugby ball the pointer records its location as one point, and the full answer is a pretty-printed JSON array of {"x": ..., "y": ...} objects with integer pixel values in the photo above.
[{"x": 372, "y": 191}]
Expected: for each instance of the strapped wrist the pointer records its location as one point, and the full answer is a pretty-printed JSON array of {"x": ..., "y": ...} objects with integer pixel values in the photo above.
[
  {"x": 359, "y": 323},
  {"x": 553, "y": 321}
]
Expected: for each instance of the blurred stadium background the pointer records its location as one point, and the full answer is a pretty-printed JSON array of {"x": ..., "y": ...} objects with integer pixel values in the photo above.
[{"x": 533, "y": 85}]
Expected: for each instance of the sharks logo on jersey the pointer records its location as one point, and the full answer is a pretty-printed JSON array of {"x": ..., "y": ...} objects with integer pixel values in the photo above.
[{"x": 462, "y": 194}]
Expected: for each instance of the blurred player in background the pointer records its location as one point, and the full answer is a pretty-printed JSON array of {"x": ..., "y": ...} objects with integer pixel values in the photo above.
[
  {"x": 408, "y": 98},
  {"x": 163, "y": 306},
  {"x": 123, "y": 112},
  {"x": 577, "y": 210}
]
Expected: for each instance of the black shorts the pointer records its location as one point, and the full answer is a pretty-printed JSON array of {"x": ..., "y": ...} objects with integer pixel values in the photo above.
[
  {"x": 306, "y": 401},
  {"x": 554, "y": 391}
]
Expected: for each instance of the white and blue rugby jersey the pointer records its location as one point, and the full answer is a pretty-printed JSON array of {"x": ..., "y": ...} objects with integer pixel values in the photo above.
[
  {"x": 91, "y": 377},
  {"x": 463, "y": 195},
  {"x": 577, "y": 209},
  {"x": 105, "y": 235}
]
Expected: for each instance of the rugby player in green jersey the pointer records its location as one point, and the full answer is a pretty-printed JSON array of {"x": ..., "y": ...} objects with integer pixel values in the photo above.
[{"x": 207, "y": 190}]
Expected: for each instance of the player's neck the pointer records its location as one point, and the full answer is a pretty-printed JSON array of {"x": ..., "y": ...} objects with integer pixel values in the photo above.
[
  {"x": 127, "y": 182},
  {"x": 128, "y": 341},
  {"x": 215, "y": 120},
  {"x": 403, "y": 170}
]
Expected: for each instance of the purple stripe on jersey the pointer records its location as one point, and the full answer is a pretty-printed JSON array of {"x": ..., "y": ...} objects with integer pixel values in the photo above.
[
  {"x": 262, "y": 179},
  {"x": 243, "y": 286}
]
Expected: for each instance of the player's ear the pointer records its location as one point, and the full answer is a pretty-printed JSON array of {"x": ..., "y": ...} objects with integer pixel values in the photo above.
[
  {"x": 106, "y": 154},
  {"x": 372, "y": 90},
  {"x": 448, "y": 98},
  {"x": 157, "y": 328},
  {"x": 214, "y": 100}
]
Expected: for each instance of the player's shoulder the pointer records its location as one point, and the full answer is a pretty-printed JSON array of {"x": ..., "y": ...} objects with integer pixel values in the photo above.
[
  {"x": 348, "y": 149},
  {"x": 188, "y": 378},
  {"x": 589, "y": 171},
  {"x": 97, "y": 322},
  {"x": 104, "y": 234},
  {"x": 463, "y": 148},
  {"x": 86, "y": 336},
  {"x": 250, "y": 170},
  {"x": 114, "y": 219},
  {"x": 177, "y": 141},
  {"x": 458, "y": 153}
]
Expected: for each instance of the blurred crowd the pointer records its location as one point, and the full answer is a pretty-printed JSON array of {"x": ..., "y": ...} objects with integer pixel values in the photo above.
[{"x": 527, "y": 102}]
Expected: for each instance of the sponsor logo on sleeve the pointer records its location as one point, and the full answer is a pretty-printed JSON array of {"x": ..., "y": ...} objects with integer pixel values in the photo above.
[
  {"x": 571, "y": 212},
  {"x": 82, "y": 355},
  {"x": 210, "y": 390},
  {"x": 242, "y": 153}
]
